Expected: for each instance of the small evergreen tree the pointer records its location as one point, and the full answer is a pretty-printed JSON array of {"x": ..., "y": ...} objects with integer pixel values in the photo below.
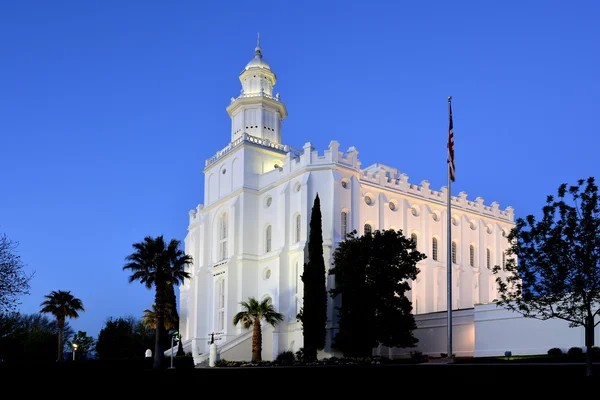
[{"x": 313, "y": 314}]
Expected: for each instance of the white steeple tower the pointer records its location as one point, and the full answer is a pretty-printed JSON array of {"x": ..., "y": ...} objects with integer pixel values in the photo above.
[{"x": 257, "y": 111}]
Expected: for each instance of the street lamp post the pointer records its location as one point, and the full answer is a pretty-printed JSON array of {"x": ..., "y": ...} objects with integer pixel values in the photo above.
[
  {"x": 74, "y": 350},
  {"x": 174, "y": 336}
]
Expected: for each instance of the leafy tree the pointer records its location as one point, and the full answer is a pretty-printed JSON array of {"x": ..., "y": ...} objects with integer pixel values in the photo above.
[
  {"x": 252, "y": 313},
  {"x": 371, "y": 277},
  {"x": 14, "y": 282},
  {"x": 85, "y": 344},
  {"x": 552, "y": 269},
  {"x": 124, "y": 338},
  {"x": 156, "y": 263},
  {"x": 313, "y": 313},
  {"x": 62, "y": 304},
  {"x": 29, "y": 337}
]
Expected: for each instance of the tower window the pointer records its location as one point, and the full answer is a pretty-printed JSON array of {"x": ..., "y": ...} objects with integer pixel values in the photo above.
[
  {"x": 454, "y": 252},
  {"x": 489, "y": 258},
  {"x": 223, "y": 237},
  {"x": 298, "y": 227},
  {"x": 472, "y": 256},
  {"x": 368, "y": 229},
  {"x": 344, "y": 227},
  {"x": 268, "y": 239},
  {"x": 434, "y": 249}
]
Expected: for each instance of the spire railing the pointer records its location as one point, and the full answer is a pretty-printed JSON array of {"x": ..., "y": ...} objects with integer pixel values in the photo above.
[{"x": 245, "y": 138}]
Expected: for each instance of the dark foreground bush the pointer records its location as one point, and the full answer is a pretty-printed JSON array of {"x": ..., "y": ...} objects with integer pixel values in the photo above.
[
  {"x": 181, "y": 362},
  {"x": 331, "y": 361},
  {"x": 555, "y": 351}
]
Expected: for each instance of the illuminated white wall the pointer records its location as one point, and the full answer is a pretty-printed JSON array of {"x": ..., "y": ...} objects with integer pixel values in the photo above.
[{"x": 259, "y": 182}]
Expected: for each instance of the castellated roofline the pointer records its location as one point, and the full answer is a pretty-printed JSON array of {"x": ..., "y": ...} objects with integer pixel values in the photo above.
[{"x": 377, "y": 175}]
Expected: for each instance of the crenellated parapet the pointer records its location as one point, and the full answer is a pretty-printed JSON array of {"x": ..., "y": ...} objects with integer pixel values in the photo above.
[
  {"x": 388, "y": 177},
  {"x": 392, "y": 178}
]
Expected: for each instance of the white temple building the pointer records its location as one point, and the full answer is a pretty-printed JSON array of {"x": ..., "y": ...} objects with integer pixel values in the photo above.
[{"x": 248, "y": 238}]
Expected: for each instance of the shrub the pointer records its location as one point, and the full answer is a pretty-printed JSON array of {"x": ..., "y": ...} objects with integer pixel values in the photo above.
[
  {"x": 575, "y": 352},
  {"x": 555, "y": 351},
  {"x": 417, "y": 356},
  {"x": 286, "y": 357}
]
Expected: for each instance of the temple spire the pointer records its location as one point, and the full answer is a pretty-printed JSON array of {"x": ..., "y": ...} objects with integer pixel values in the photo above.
[{"x": 258, "y": 50}]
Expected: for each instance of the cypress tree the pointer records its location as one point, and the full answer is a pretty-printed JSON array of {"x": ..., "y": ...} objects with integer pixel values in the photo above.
[{"x": 313, "y": 314}]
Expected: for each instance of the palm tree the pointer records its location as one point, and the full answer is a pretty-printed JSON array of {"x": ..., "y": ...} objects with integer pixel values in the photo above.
[
  {"x": 149, "y": 318},
  {"x": 62, "y": 304},
  {"x": 156, "y": 263},
  {"x": 252, "y": 313}
]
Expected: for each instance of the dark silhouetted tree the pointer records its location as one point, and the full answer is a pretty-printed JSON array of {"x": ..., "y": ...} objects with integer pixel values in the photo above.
[
  {"x": 14, "y": 281},
  {"x": 62, "y": 304},
  {"x": 372, "y": 274},
  {"x": 156, "y": 263},
  {"x": 552, "y": 269},
  {"x": 313, "y": 313},
  {"x": 124, "y": 338},
  {"x": 29, "y": 337}
]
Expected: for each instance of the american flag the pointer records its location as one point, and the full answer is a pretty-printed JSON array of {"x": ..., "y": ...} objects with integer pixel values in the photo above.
[{"x": 451, "y": 169}]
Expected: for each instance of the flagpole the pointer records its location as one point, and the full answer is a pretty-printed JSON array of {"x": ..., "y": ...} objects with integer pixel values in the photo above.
[{"x": 449, "y": 240}]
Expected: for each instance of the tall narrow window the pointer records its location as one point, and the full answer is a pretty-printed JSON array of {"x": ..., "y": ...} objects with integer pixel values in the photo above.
[
  {"x": 298, "y": 226},
  {"x": 489, "y": 258},
  {"x": 344, "y": 228},
  {"x": 368, "y": 229},
  {"x": 454, "y": 252},
  {"x": 503, "y": 260},
  {"x": 268, "y": 239},
  {"x": 472, "y": 256},
  {"x": 434, "y": 249},
  {"x": 413, "y": 237},
  {"x": 296, "y": 278},
  {"x": 220, "y": 305},
  {"x": 223, "y": 237}
]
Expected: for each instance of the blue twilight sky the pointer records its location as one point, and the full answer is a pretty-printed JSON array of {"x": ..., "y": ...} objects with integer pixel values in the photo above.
[{"x": 108, "y": 110}]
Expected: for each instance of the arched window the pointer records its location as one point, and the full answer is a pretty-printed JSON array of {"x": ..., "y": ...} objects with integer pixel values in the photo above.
[
  {"x": 368, "y": 229},
  {"x": 472, "y": 256},
  {"x": 344, "y": 227},
  {"x": 503, "y": 260},
  {"x": 489, "y": 258},
  {"x": 223, "y": 237},
  {"x": 413, "y": 237},
  {"x": 298, "y": 226},
  {"x": 268, "y": 239},
  {"x": 220, "y": 305},
  {"x": 453, "y": 252},
  {"x": 434, "y": 249}
]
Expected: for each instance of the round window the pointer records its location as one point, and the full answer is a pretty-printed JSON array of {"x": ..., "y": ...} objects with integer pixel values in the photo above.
[
  {"x": 267, "y": 274},
  {"x": 368, "y": 200},
  {"x": 269, "y": 201},
  {"x": 392, "y": 206},
  {"x": 344, "y": 184}
]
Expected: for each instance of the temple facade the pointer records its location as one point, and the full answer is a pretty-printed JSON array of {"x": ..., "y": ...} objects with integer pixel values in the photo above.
[{"x": 248, "y": 237}]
